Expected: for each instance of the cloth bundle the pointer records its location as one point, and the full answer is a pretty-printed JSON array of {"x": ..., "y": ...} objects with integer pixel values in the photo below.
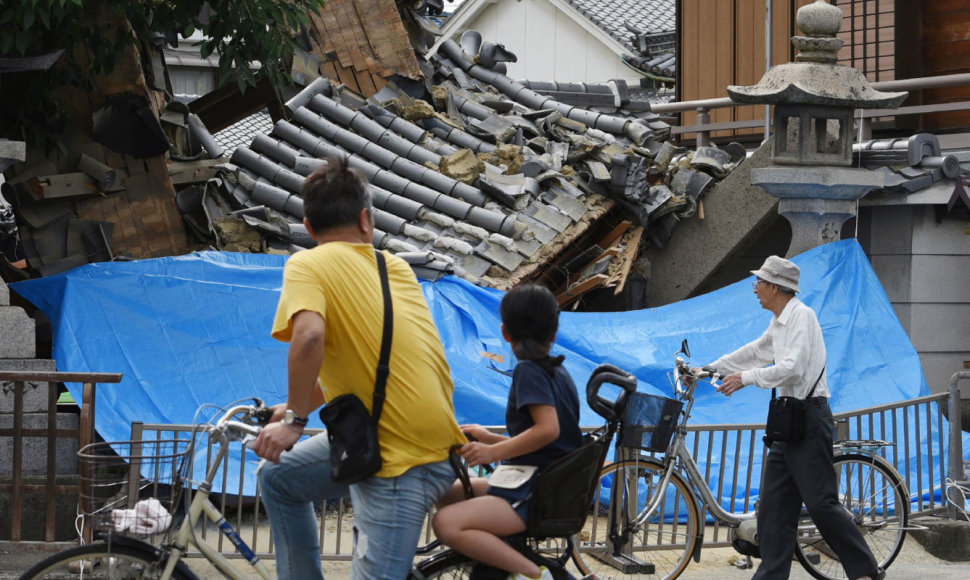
[{"x": 148, "y": 516}]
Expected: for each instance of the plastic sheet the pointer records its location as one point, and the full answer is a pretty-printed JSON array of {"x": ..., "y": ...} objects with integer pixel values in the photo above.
[{"x": 194, "y": 329}]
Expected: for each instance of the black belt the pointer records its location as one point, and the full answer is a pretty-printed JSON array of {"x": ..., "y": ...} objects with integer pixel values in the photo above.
[{"x": 817, "y": 401}]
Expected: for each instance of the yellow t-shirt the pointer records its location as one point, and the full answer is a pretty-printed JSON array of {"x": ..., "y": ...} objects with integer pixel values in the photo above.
[{"x": 340, "y": 281}]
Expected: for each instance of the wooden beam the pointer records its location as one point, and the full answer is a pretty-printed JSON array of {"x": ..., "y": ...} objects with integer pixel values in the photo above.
[
  {"x": 577, "y": 290},
  {"x": 544, "y": 262},
  {"x": 182, "y": 173},
  {"x": 632, "y": 249},
  {"x": 615, "y": 235},
  {"x": 62, "y": 185}
]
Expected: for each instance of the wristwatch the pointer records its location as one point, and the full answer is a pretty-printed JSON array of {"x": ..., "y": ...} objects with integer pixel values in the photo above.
[{"x": 292, "y": 419}]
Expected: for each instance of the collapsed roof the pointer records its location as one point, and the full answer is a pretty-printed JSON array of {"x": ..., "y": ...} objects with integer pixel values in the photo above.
[{"x": 486, "y": 179}]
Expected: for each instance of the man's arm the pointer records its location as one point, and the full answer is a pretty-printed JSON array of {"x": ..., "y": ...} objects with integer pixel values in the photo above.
[
  {"x": 303, "y": 363},
  {"x": 755, "y": 354}
]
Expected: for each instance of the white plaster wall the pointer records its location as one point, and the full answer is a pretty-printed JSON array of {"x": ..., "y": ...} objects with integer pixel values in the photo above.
[{"x": 549, "y": 45}]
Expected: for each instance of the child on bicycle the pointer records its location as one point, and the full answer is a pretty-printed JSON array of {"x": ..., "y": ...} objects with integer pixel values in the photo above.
[{"x": 542, "y": 419}]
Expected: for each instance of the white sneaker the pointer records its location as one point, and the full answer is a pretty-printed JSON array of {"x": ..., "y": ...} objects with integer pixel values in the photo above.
[{"x": 544, "y": 574}]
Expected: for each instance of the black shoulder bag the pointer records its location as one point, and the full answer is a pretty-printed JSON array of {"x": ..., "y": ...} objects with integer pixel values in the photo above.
[
  {"x": 352, "y": 432},
  {"x": 786, "y": 416}
]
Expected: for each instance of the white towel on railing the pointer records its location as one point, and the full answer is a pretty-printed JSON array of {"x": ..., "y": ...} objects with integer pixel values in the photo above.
[{"x": 148, "y": 516}]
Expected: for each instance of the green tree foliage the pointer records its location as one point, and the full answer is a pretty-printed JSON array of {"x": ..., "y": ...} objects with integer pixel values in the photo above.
[{"x": 242, "y": 32}]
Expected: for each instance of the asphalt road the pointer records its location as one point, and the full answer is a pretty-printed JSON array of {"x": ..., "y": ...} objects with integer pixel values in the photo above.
[{"x": 913, "y": 563}]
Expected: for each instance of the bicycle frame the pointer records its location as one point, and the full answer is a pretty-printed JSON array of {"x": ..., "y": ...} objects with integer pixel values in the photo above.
[
  {"x": 678, "y": 455},
  {"x": 200, "y": 505}
]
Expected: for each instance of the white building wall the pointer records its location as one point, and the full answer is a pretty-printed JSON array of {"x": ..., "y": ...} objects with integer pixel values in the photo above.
[{"x": 549, "y": 44}]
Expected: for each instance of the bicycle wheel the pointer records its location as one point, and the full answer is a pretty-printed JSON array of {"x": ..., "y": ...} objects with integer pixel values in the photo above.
[
  {"x": 611, "y": 546},
  {"x": 875, "y": 497},
  {"x": 107, "y": 561},
  {"x": 447, "y": 564}
]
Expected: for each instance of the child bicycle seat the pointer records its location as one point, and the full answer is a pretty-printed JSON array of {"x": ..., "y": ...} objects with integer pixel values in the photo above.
[{"x": 564, "y": 490}]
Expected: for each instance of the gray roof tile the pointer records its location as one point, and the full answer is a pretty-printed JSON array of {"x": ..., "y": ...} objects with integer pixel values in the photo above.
[{"x": 612, "y": 16}]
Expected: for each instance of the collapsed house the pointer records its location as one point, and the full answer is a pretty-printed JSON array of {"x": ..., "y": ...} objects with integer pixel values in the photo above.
[
  {"x": 490, "y": 180},
  {"x": 474, "y": 174}
]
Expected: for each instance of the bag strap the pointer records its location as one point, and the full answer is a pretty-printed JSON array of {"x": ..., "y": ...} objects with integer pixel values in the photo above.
[
  {"x": 773, "y": 389},
  {"x": 816, "y": 383},
  {"x": 383, "y": 369}
]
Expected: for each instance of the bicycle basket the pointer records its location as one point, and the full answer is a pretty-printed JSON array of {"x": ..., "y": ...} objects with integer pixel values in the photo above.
[
  {"x": 131, "y": 487},
  {"x": 649, "y": 422}
]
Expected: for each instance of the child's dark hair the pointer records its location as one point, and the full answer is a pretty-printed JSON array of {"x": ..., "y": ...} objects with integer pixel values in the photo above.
[{"x": 530, "y": 313}]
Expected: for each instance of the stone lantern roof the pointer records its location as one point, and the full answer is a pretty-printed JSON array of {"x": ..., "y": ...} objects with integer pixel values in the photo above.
[{"x": 815, "y": 78}]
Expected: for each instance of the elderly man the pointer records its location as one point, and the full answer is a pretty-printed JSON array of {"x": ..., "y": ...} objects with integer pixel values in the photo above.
[{"x": 790, "y": 356}]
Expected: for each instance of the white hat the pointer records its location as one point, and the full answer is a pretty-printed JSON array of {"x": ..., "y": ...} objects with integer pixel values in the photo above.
[{"x": 779, "y": 271}]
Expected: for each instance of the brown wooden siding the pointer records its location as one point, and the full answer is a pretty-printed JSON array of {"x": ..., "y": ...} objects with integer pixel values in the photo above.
[
  {"x": 722, "y": 42},
  {"x": 944, "y": 33}
]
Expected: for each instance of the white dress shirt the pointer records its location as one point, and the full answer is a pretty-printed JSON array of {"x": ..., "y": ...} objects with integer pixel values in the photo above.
[{"x": 794, "y": 343}]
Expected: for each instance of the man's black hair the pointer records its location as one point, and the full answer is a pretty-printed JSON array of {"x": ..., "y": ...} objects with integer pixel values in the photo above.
[{"x": 334, "y": 194}]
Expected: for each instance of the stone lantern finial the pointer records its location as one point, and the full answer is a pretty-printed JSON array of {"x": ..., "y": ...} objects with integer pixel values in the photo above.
[{"x": 819, "y": 22}]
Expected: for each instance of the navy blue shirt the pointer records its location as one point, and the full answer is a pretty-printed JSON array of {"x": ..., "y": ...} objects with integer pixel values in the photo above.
[{"x": 532, "y": 385}]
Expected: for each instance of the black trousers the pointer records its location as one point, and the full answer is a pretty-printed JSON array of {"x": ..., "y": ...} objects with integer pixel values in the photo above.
[{"x": 802, "y": 472}]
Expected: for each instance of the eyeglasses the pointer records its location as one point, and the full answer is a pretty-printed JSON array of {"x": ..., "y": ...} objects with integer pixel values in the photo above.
[{"x": 754, "y": 284}]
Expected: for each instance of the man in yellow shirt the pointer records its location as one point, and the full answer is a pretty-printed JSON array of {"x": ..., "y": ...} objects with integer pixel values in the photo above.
[{"x": 331, "y": 312}]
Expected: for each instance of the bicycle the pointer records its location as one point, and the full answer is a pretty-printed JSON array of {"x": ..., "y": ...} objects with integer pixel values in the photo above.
[
  {"x": 652, "y": 525},
  {"x": 121, "y": 474}
]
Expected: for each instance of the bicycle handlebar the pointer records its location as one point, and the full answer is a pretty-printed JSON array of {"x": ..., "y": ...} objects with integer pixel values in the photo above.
[
  {"x": 252, "y": 419},
  {"x": 685, "y": 375}
]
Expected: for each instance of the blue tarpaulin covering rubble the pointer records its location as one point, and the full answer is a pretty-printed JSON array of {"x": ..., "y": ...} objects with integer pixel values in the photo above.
[{"x": 194, "y": 329}]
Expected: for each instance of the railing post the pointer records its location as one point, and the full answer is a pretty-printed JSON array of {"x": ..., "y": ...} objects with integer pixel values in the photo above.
[
  {"x": 703, "y": 118},
  {"x": 50, "y": 503},
  {"x": 16, "y": 495},
  {"x": 956, "y": 436}
]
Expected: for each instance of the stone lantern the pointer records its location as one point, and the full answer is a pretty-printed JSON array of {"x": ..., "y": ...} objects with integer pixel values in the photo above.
[{"x": 814, "y": 102}]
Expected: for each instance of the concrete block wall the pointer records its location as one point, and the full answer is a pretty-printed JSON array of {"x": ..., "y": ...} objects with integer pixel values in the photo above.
[
  {"x": 18, "y": 349},
  {"x": 702, "y": 253},
  {"x": 924, "y": 265}
]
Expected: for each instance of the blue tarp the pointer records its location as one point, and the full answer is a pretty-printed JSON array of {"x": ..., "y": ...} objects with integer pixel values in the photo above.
[{"x": 194, "y": 329}]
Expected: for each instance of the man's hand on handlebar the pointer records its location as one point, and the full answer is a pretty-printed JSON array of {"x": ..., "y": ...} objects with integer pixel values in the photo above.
[{"x": 276, "y": 438}]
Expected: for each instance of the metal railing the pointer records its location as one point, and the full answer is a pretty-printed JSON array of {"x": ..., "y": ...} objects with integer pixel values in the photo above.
[
  {"x": 53, "y": 487},
  {"x": 916, "y": 426},
  {"x": 703, "y": 128}
]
